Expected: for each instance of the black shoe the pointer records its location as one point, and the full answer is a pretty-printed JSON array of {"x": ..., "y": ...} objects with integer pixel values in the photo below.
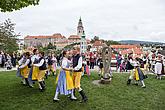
[
  {"x": 129, "y": 82},
  {"x": 84, "y": 97}
]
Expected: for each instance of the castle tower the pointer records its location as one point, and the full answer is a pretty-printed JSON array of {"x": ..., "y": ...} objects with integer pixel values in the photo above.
[
  {"x": 80, "y": 28},
  {"x": 83, "y": 43}
]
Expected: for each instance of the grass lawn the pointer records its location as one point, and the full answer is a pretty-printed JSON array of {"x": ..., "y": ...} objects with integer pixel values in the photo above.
[{"x": 115, "y": 96}]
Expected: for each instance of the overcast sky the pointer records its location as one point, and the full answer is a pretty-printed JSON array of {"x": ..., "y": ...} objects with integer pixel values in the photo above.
[{"x": 108, "y": 19}]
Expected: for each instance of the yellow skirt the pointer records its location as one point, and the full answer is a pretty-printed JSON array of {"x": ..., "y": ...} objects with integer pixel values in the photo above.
[
  {"x": 136, "y": 75},
  {"x": 41, "y": 75},
  {"x": 25, "y": 72},
  {"x": 35, "y": 73},
  {"x": 69, "y": 80}
]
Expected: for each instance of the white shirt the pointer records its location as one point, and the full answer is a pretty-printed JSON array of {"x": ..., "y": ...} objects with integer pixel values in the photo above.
[
  {"x": 40, "y": 63},
  {"x": 64, "y": 63},
  {"x": 26, "y": 63},
  {"x": 20, "y": 62},
  {"x": 34, "y": 57},
  {"x": 79, "y": 66}
]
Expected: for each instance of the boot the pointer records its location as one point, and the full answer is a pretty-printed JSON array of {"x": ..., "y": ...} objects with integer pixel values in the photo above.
[
  {"x": 84, "y": 97},
  {"x": 42, "y": 86},
  {"x": 129, "y": 82},
  {"x": 27, "y": 82}
]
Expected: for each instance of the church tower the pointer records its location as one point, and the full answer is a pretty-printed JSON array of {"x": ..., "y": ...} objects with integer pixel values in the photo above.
[{"x": 80, "y": 28}]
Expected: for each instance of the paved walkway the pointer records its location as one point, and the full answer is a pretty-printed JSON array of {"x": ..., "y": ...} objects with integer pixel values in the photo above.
[{"x": 4, "y": 69}]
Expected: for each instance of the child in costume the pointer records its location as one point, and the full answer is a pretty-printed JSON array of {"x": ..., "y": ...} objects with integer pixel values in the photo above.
[{"x": 64, "y": 80}]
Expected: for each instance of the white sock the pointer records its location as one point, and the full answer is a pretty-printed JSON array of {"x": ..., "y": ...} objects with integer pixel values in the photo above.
[
  {"x": 142, "y": 83},
  {"x": 79, "y": 89},
  {"x": 56, "y": 95},
  {"x": 72, "y": 94},
  {"x": 39, "y": 86}
]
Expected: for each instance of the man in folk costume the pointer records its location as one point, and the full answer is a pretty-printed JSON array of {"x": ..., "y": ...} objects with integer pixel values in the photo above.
[
  {"x": 42, "y": 69},
  {"x": 64, "y": 79},
  {"x": 77, "y": 73},
  {"x": 159, "y": 66},
  {"x": 26, "y": 69},
  {"x": 34, "y": 70},
  {"x": 130, "y": 67}
]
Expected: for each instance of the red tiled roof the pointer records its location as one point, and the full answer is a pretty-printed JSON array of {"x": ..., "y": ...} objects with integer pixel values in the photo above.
[
  {"x": 58, "y": 35},
  {"x": 74, "y": 37},
  {"x": 124, "y": 46},
  {"x": 127, "y": 51}
]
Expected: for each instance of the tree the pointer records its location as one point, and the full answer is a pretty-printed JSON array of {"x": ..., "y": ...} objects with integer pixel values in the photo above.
[
  {"x": 8, "y": 36},
  {"x": 11, "y": 5},
  {"x": 111, "y": 42}
]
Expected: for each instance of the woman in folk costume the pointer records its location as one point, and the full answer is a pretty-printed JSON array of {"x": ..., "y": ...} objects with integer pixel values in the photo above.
[
  {"x": 137, "y": 74},
  {"x": 25, "y": 69},
  {"x": 50, "y": 65},
  {"x": 64, "y": 80},
  {"x": 21, "y": 61},
  {"x": 159, "y": 66},
  {"x": 34, "y": 69},
  {"x": 42, "y": 70}
]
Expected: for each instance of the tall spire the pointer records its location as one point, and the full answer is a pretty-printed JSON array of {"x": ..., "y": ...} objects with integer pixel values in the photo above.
[{"x": 80, "y": 28}]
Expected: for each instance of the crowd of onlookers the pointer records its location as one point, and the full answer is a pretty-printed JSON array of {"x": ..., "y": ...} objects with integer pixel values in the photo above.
[
  {"x": 91, "y": 59},
  {"x": 8, "y": 60}
]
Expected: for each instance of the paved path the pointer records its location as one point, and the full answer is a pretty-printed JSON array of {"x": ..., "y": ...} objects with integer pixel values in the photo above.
[{"x": 4, "y": 69}]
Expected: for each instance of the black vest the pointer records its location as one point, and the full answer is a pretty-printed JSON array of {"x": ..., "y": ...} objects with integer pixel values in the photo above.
[
  {"x": 43, "y": 66},
  {"x": 75, "y": 62},
  {"x": 30, "y": 63}
]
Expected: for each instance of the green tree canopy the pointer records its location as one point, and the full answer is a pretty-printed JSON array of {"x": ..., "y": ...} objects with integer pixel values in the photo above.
[
  {"x": 8, "y": 37},
  {"x": 11, "y": 5}
]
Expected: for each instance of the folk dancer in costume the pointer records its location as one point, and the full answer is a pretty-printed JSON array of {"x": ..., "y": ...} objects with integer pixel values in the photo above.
[
  {"x": 159, "y": 66},
  {"x": 64, "y": 80},
  {"x": 50, "y": 66},
  {"x": 34, "y": 69},
  {"x": 54, "y": 65},
  {"x": 25, "y": 68},
  {"x": 21, "y": 61},
  {"x": 42, "y": 70},
  {"x": 129, "y": 66},
  {"x": 77, "y": 71},
  {"x": 137, "y": 74}
]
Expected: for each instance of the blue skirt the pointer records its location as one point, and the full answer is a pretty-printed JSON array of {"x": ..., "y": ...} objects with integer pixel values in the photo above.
[
  {"x": 61, "y": 84},
  {"x": 18, "y": 74},
  {"x": 141, "y": 74}
]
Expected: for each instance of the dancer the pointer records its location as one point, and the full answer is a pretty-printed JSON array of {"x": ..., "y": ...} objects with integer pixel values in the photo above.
[
  {"x": 64, "y": 80},
  {"x": 77, "y": 71},
  {"x": 137, "y": 74},
  {"x": 42, "y": 71},
  {"x": 34, "y": 69},
  {"x": 26, "y": 69}
]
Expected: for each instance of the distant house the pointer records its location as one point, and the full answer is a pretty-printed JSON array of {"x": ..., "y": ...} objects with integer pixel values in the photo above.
[{"x": 55, "y": 39}]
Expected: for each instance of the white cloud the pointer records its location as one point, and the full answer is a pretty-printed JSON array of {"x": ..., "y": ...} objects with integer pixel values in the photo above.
[{"x": 109, "y": 19}]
